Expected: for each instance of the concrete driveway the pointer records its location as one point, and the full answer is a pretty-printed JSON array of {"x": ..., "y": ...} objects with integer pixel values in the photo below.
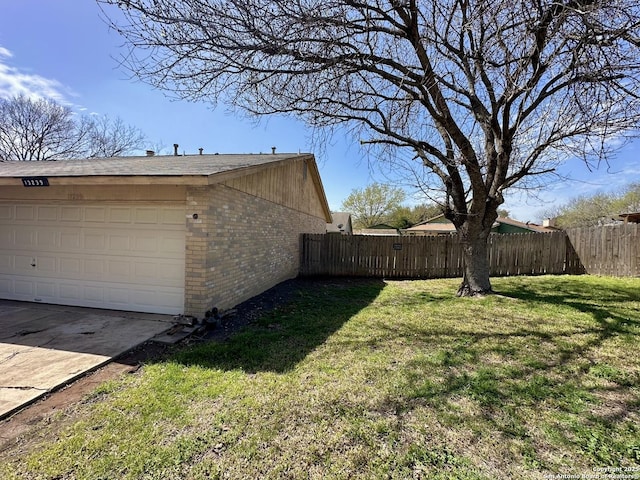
[{"x": 45, "y": 346}]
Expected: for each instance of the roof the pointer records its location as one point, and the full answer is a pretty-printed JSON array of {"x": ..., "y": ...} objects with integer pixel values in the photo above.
[
  {"x": 430, "y": 226},
  {"x": 527, "y": 226},
  {"x": 183, "y": 169},
  {"x": 433, "y": 227},
  {"x": 632, "y": 217},
  {"x": 380, "y": 226},
  {"x": 156, "y": 170}
]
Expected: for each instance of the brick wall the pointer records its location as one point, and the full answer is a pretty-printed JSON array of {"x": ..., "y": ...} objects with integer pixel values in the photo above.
[{"x": 239, "y": 246}]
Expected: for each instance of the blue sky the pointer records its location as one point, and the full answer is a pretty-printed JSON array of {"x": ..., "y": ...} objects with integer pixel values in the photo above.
[{"x": 62, "y": 49}]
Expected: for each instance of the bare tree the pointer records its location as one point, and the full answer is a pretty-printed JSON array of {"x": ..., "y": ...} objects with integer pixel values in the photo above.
[
  {"x": 483, "y": 96},
  {"x": 112, "y": 137},
  {"x": 32, "y": 130},
  {"x": 40, "y": 129}
]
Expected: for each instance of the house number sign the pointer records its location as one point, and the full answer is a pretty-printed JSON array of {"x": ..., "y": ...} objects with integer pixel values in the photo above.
[{"x": 35, "y": 181}]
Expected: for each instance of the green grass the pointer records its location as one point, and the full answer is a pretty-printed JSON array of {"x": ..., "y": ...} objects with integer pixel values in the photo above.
[{"x": 366, "y": 380}]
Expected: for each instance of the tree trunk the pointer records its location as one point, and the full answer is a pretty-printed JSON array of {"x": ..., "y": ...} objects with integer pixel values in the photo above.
[{"x": 476, "y": 265}]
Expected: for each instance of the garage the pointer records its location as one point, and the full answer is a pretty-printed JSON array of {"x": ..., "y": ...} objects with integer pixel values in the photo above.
[
  {"x": 170, "y": 234},
  {"x": 125, "y": 257}
]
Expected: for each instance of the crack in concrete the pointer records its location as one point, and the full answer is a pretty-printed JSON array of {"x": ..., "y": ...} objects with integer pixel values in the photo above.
[
  {"x": 22, "y": 387},
  {"x": 8, "y": 357},
  {"x": 14, "y": 354},
  {"x": 23, "y": 333}
]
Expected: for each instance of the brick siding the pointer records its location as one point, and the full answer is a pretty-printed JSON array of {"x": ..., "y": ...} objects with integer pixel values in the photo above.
[{"x": 239, "y": 246}]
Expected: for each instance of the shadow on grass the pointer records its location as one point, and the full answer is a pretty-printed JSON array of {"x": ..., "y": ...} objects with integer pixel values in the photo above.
[
  {"x": 278, "y": 340},
  {"x": 534, "y": 385},
  {"x": 571, "y": 377}
]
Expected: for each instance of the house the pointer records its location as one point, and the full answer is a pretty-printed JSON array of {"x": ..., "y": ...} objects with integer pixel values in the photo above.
[
  {"x": 163, "y": 234},
  {"x": 440, "y": 225},
  {"x": 341, "y": 223}
]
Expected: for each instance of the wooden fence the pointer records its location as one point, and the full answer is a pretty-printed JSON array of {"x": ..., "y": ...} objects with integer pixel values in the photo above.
[
  {"x": 610, "y": 250},
  {"x": 599, "y": 250},
  {"x": 428, "y": 256}
]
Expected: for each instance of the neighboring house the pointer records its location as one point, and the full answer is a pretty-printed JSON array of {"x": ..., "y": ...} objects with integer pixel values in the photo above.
[
  {"x": 163, "y": 234},
  {"x": 380, "y": 229},
  {"x": 441, "y": 226},
  {"x": 341, "y": 223}
]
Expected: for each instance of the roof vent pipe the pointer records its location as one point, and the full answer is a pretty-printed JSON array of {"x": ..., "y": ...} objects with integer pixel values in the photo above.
[
  {"x": 273, "y": 150},
  {"x": 200, "y": 150},
  {"x": 175, "y": 149}
]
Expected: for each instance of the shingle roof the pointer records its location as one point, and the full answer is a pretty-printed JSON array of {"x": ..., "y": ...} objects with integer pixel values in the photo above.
[{"x": 165, "y": 165}]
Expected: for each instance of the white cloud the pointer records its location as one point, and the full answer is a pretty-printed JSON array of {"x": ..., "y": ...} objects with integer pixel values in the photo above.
[{"x": 14, "y": 82}]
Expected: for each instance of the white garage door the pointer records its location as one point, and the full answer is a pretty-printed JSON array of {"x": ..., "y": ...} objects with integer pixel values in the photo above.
[{"x": 124, "y": 257}]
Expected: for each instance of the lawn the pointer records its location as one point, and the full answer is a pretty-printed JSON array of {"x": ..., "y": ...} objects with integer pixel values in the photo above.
[{"x": 372, "y": 379}]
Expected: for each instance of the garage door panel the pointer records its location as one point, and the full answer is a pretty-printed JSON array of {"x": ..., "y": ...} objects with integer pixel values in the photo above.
[
  {"x": 95, "y": 214},
  {"x": 93, "y": 268},
  {"x": 47, "y": 213},
  {"x": 83, "y": 258},
  {"x": 23, "y": 213},
  {"x": 46, "y": 264},
  {"x": 24, "y": 238},
  {"x": 146, "y": 215},
  {"x": 118, "y": 268},
  {"x": 71, "y": 214},
  {"x": 70, "y": 266},
  {"x": 6, "y": 261},
  {"x": 69, "y": 292},
  {"x": 171, "y": 217},
  {"x": 45, "y": 290},
  {"x": 22, "y": 287},
  {"x": 47, "y": 239},
  {"x": 94, "y": 242},
  {"x": 6, "y": 212},
  {"x": 173, "y": 245},
  {"x": 23, "y": 264},
  {"x": 146, "y": 243},
  {"x": 70, "y": 239},
  {"x": 118, "y": 296},
  {"x": 145, "y": 271},
  {"x": 94, "y": 293},
  {"x": 119, "y": 215},
  {"x": 6, "y": 239},
  {"x": 6, "y": 286},
  {"x": 119, "y": 243},
  {"x": 163, "y": 271}
]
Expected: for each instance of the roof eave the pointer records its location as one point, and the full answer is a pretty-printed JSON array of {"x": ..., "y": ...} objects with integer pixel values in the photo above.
[{"x": 99, "y": 180}]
